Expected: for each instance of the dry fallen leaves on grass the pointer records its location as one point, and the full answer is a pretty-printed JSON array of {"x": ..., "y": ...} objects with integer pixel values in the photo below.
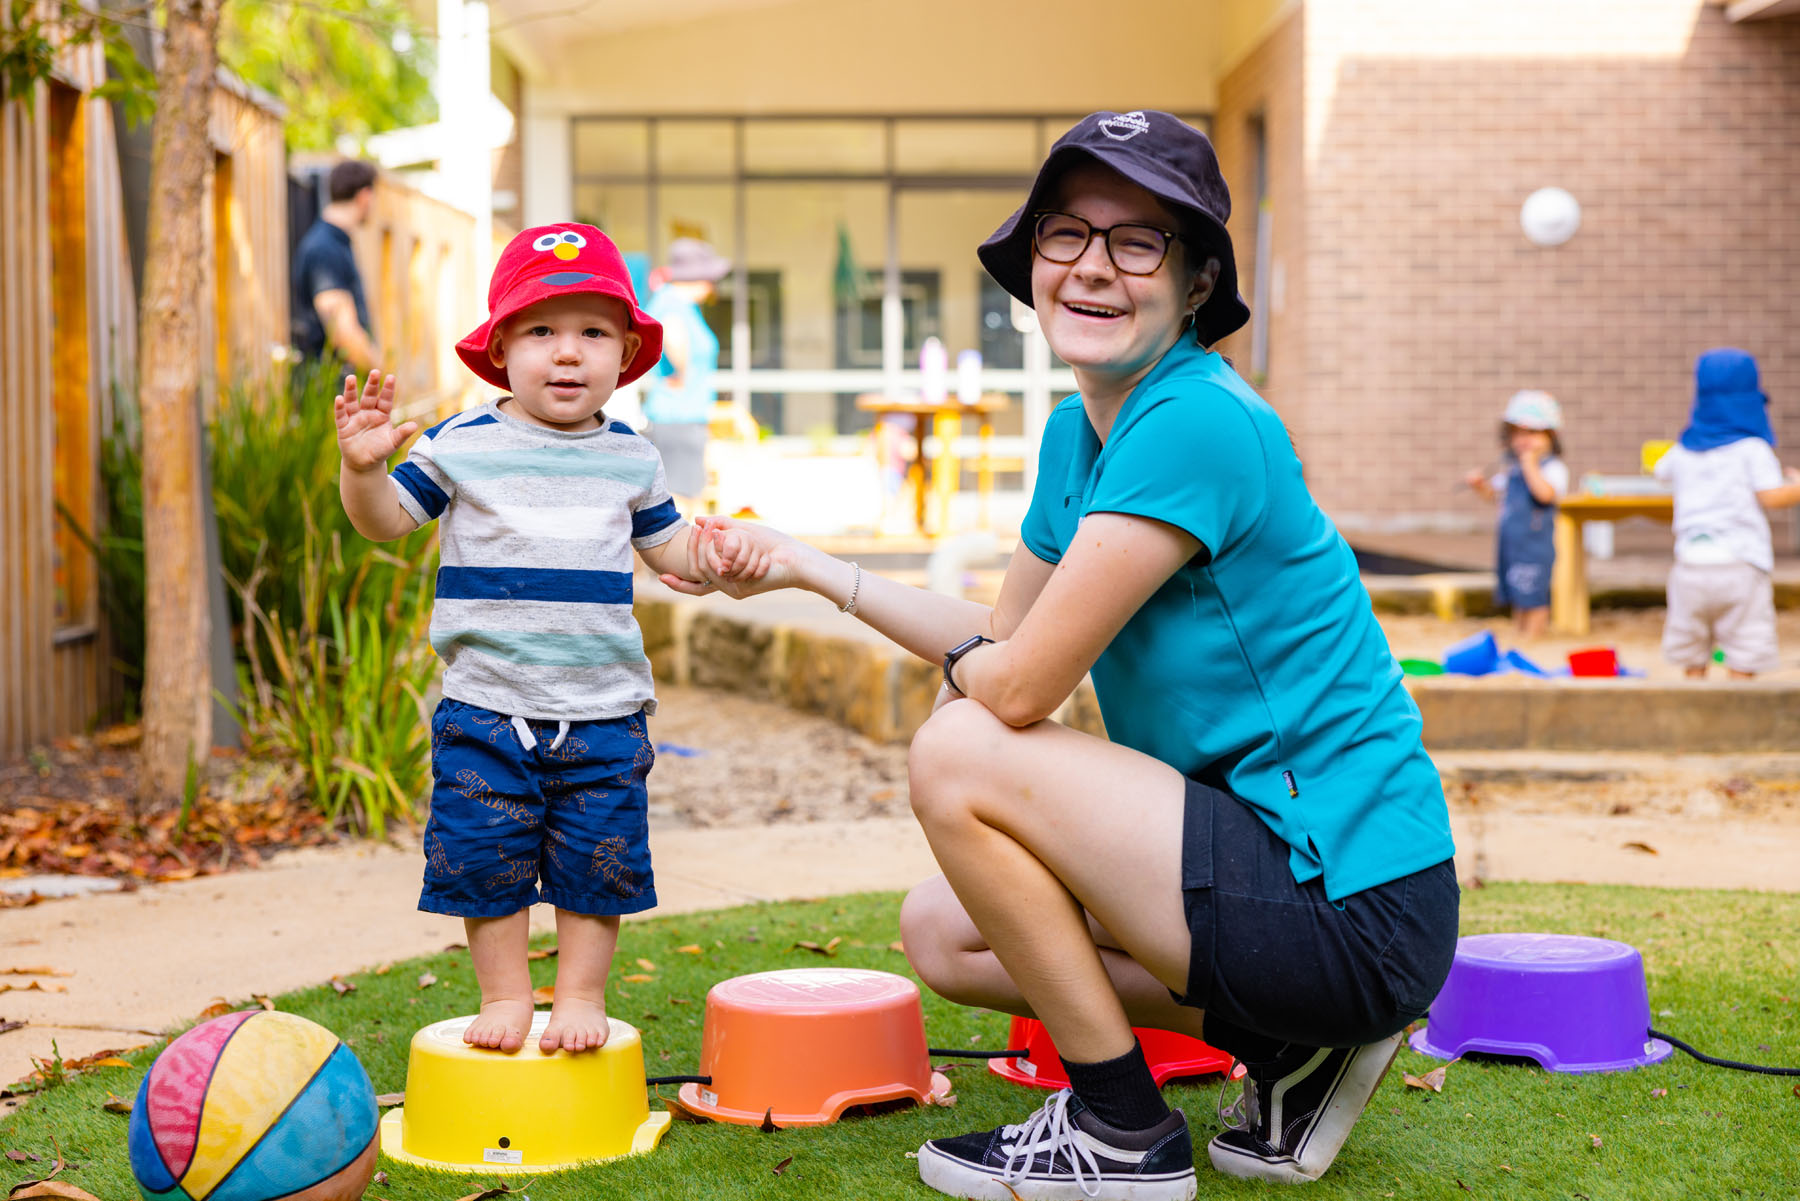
[
  {"x": 23, "y": 1157},
  {"x": 218, "y": 1009},
  {"x": 781, "y": 1167},
  {"x": 645, "y": 964},
  {"x": 34, "y": 971},
  {"x": 49, "y": 1188},
  {"x": 1432, "y": 1080},
  {"x": 828, "y": 949},
  {"x": 544, "y": 994},
  {"x": 637, "y": 978},
  {"x": 342, "y": 986},
  {"x": 426, "y": 979},
  {"x": 116, "y": 1104},
  {"x": 692, "y": 948},
  {"x": 546, "y": 953},
  {"x": 389, "y": 1100},
  {"x": 768, "y": 1123},
  {"x": 1641, "y": 847},
  {"x": 499, "y": 1190}
]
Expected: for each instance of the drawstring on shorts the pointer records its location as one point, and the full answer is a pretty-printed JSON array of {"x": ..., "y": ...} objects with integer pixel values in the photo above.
[{"x": 529, "y": 742}]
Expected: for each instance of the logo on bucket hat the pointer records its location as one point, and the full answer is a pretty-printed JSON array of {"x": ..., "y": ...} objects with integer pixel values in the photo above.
[
  {"x": 558, "y": 260},
  {"x": 1123, "y": 127}
]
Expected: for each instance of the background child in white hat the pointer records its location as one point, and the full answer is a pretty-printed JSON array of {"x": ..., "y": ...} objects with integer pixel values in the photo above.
[{"x": 1534, "y": 479}]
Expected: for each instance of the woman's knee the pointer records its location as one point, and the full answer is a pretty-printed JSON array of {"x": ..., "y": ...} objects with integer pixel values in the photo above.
[
  {"x": 947, "y": 754},
  {"x": 935, "y": 932}
]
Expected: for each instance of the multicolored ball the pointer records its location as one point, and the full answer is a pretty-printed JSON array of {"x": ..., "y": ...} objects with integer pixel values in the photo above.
[{"x": 253, "y": 1106}]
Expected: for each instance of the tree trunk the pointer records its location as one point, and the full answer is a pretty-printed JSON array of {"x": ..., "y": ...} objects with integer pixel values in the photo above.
[{"x": 177, "y": 679}]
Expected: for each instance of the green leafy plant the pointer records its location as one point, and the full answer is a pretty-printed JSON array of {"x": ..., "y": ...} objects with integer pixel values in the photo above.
[
  {"x": 332, "y": 630},
  {"x": 340, "y": 683},
  {"x": 35, "y": 33}
]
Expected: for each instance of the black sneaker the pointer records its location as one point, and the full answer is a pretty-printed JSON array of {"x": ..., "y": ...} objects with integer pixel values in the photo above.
[
  {"x": 1297, "y": 1109},
  {"x": 1064, "y": 1153}
]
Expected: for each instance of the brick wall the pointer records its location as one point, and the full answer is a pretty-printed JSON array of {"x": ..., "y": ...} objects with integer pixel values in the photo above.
[{"x": 1426, "y": 126}]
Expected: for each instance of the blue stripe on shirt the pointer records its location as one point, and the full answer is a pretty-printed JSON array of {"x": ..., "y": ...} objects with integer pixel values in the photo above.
[
  {"x": 534, "y": 584},
  {"x": 420, "y": 487},
  {"x": 645, "y": 522},
  {"x": 545, "y": 650}
]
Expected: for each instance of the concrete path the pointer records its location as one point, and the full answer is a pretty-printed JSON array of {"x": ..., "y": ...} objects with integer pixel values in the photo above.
[{"x": 138, "y": 963}]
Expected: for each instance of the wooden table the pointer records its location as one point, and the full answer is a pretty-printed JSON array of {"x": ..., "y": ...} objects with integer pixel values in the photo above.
[
  {"x": 1568, "y": 580},
  {"x": 944, "y": 418}
]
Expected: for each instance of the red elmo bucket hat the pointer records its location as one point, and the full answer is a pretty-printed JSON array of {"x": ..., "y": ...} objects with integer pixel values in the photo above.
[{"x": 546, "y": 261}]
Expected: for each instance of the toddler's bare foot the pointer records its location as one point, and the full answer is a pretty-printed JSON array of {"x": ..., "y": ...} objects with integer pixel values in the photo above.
[
  {"x": 501, "y": 1025},
  {"x": 576, "y": 1024}
]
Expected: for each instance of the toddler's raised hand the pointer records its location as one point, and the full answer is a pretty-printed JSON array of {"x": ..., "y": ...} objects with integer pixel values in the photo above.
[{"x": 366, "y": 433}]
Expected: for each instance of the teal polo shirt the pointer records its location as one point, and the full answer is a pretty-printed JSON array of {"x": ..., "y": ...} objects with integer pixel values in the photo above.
[{"x": 1260, "y": 666}]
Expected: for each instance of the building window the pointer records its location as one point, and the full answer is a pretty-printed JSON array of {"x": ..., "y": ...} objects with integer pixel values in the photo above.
[
  {"x": 73, "y": 466},
  {"x": 763, "y": 290}
]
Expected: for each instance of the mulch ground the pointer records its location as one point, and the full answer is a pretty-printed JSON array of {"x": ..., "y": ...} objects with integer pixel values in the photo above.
[{"x": 65, "y": 809}]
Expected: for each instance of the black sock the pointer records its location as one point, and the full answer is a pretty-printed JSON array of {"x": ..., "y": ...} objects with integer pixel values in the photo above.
[{"x": 1121, "y": 1091}]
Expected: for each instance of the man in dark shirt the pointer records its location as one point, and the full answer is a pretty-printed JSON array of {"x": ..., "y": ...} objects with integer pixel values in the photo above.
[{"x": 328, "y": 304}]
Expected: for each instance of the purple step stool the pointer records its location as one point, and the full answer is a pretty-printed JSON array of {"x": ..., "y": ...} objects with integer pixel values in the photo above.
[{"x": 1573, "y": 1004}]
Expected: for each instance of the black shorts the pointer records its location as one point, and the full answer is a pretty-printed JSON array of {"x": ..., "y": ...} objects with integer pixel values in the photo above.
[{"x": 1274, "y": 962}]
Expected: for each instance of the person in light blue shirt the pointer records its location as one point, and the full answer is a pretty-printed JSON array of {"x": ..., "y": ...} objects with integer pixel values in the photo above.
[
  {"x": 679, "y": 394},
  {"x": 1260, "y": 853}
]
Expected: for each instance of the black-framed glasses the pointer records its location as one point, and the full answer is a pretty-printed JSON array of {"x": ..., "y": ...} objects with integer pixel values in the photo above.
[{"x": 1134, "y": 249}]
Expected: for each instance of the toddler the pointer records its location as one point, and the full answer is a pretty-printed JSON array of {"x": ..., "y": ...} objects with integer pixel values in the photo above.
[
  {"x": 538, "y": 749},
  {"x": 1724, "y": 475},
  {"x": 1528, "y": 489}
]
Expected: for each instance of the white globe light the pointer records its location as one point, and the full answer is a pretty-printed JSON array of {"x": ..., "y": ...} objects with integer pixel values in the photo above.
[{"x": 1550, "y": 216}]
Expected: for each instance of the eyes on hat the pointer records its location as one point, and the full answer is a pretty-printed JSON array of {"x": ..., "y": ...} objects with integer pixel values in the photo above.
[{"x": 546, "y": 241}]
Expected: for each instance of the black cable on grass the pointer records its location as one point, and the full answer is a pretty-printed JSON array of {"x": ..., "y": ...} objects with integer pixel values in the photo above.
[
  {"x": 1016, "y": 1053},
  {"x": 650, "y": 1080},
  {"x": 1724, "y": 1063}
]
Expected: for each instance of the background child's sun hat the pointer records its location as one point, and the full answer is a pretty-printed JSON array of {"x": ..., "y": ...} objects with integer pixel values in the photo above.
[
  {"x": 1729, "y": 403},
  {"x": 547, "y": 261},
  {"x": 1532, "y": 409}
]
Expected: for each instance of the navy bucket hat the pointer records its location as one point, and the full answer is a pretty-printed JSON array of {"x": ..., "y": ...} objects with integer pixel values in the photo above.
[{"x": 1166, "y": 157}]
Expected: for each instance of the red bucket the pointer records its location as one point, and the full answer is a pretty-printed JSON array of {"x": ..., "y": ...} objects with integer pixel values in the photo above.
[
  {"x": 1169, "y": 1055},
  {"x": 1594, "y": 661}
]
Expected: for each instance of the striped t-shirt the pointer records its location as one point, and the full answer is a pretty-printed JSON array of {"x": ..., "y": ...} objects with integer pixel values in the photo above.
[{"x": 533, "y": 614}]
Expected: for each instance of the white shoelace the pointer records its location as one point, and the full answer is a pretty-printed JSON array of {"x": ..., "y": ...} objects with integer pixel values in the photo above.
[{"x": 1046, "y": 1130}]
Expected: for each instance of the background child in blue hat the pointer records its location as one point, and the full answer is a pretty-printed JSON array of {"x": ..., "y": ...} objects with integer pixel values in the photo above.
[
  {"x": 1724, "y": 474},
  {"x": 1534, "y": 479}
]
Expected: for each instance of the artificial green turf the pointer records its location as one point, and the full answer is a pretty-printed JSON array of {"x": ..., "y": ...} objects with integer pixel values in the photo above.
[{"x": 1724, "y": 974}]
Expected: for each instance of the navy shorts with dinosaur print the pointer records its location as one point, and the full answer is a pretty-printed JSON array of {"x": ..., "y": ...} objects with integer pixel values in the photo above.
[{"x": 523, "y": 817}]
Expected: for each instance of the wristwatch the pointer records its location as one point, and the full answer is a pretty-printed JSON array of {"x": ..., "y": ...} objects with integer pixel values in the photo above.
[{"x": 957, "y": 652}]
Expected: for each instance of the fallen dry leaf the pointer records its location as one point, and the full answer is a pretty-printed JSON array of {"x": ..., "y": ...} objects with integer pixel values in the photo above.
[
  {"x": 384, "y": 969},
  {"x": 499, "y": 1190},
  {"x": 379, "y": 1178},
  {"x": 781, "y": 1167},
  {"x": 768, "y": 1123},
  {"x": 1433, "y": 1080},
  {"x": 897, "y": 945},
  {"x": 646, "y": 964},
  {"x": 34, "y": 971},
  {"x": 389, "y": 1100},
  {"x": 264, "y": 1001},
  {"x": 828, "y": 949},
  {"x": 116, "y": 1104},
  {"x": 548, "y": 953},
  {"x": 6, "y": 1026},
  {"x": 543, "y": 994},
  {"x": 942, "y": 1100},
  {"x": 1659, "y": 1092},
  {"x": 692, "y": 948},
  {"x": 219, "y": 1008},
  {"x": 426, "y": 979},
  {"x": 1595, "y": 1139},
  {"x": 22, "y": 1157},
  {"x": 342, "y": 986},
  {"x": 1644, "y": 847},
  {"x": 637, "y": 978},
  {"x": 49, "y": 1188}
]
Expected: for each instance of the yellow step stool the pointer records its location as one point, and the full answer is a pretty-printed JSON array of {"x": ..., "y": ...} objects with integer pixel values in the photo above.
[{"x": 472, "y": 1109}]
